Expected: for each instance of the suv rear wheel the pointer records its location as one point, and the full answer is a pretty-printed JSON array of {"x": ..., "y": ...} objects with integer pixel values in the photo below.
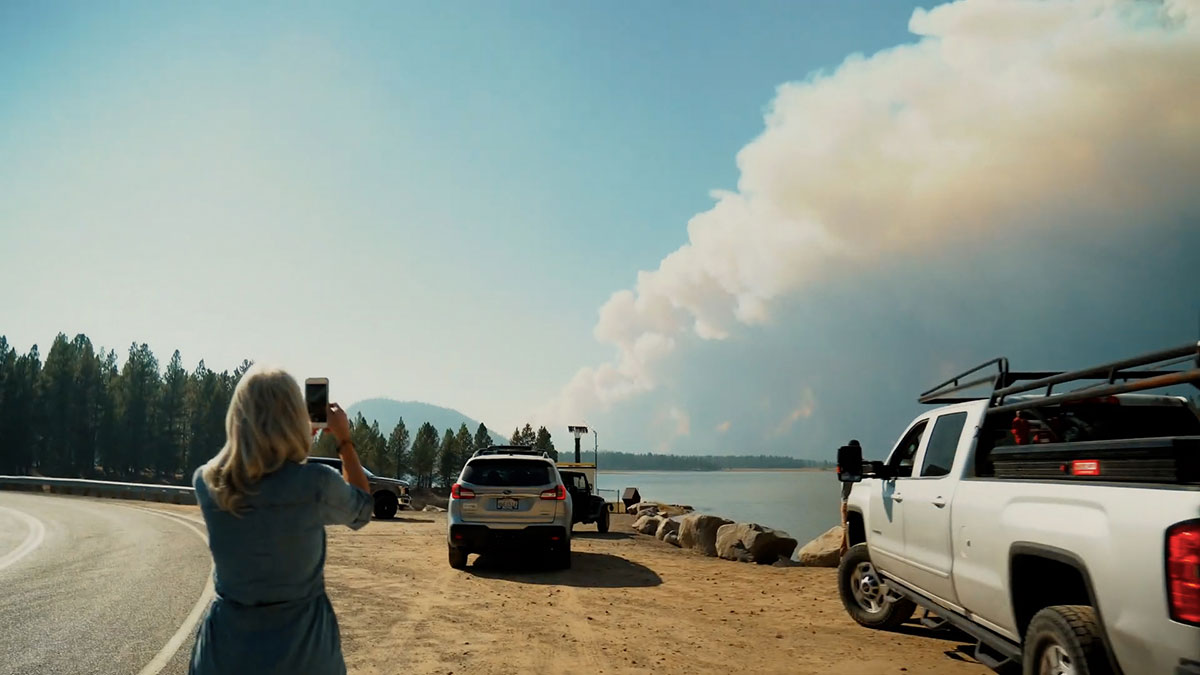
[
  {"x": 458, "y": 558},
  {"x": 560, "y": 555},
  {"x": 865, "y": 595},
  {"x": 602, "y": 524},
  {"x": 1065, "y": 640}
]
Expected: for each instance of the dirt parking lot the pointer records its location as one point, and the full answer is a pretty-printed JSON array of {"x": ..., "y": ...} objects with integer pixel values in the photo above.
[{"x": 629, "y": 604}]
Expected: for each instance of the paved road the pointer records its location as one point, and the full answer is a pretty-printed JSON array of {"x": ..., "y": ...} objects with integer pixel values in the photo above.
[{"x": 97, "y": 586}]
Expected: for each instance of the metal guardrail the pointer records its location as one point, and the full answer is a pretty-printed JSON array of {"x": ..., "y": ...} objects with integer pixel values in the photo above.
[{"x": 99, "y": 488}]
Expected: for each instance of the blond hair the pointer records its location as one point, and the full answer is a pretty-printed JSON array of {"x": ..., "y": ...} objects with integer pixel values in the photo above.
[{"x": 267, "y": 425}]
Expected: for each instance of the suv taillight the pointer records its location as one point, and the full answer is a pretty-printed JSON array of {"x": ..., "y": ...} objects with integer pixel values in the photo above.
[
  {"x": 559, "y": 492},
  {"x": 459, "y": 492},
  {"x": 1183, "y": 572}
]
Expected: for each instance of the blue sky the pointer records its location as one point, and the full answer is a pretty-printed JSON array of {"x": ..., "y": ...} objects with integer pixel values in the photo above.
[
  {"x": 449, "y": 190},
  {"x": 437, "y": 201}
]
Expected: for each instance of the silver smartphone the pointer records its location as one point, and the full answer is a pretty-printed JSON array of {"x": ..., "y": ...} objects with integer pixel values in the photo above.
[{"x": 316, "y": 394}]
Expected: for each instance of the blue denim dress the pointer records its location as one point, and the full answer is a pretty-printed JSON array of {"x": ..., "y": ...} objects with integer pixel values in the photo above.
[{"x": 271, "y": 614}]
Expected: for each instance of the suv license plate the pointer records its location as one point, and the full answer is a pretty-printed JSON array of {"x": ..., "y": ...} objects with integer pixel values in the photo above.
[{"x": 507, "y": 504}]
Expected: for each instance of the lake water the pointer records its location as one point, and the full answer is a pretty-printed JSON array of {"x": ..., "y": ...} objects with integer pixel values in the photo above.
[{"x": 802, "y": 503}]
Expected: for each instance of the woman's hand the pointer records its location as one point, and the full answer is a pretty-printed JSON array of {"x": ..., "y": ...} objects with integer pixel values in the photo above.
[{"x": 338, "y": 424}]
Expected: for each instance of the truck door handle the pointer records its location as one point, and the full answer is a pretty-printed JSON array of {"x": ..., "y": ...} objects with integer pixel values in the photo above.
[
  {"x": 939, "y": 502},
  {"x": 897, "y": 497}
]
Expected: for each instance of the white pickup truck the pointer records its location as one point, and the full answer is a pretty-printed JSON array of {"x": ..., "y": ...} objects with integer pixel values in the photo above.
[{"x": 1060, "y": 529}]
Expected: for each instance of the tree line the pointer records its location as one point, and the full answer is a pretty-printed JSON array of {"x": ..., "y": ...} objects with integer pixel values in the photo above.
[
  {"x": 430, "y": 458},
  {"x": 80, "y": 415}
]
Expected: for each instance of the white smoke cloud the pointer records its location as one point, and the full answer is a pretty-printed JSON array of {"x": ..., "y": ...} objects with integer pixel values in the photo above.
[{"x": 1006, "y": 115}]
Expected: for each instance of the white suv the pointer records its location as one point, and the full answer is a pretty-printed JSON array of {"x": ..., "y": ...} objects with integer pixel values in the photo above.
[{"x": 509, "y": 498}]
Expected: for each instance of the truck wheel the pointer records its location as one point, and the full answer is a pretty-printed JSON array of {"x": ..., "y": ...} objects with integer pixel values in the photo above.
[
  {"x": 602, "y": 524},
  {"x": 1065, "y": 640},
  {"x": 458, "y": 558},
  {"x": 386, "y": 505},
  {"x": 865, "y": 595}
]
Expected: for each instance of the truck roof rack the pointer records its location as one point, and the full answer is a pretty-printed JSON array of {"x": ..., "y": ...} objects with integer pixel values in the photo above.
[
  {"x": 511, "y": 450},
  {"x": 1148, "y": 371}
]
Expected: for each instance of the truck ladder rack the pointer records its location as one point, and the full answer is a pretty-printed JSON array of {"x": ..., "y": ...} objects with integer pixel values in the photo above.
[{"x": 1148, "y": 371}]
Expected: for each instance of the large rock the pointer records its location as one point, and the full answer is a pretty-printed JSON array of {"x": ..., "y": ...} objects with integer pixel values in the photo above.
[
  {"x": 647, "y": 524},
  {"x": 824, "y": 551},
  {"x": 643, "y": 509},
  {"x": 751, "y": 542},
  {"x": 699, "y": 531},
  {"x": 667, "y": 526}
]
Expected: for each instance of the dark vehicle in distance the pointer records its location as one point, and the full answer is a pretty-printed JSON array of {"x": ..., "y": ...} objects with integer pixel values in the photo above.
[
  {"x": 390, "y": 494},
  {"x": 588, "y": 507}
]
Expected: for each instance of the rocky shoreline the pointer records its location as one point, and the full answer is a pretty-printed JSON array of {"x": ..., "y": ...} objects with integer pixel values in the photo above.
[{"x": 718, "y": 537}]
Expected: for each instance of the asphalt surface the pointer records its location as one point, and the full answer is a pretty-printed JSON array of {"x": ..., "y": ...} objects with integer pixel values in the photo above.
[{"x": 104, "y": 587}]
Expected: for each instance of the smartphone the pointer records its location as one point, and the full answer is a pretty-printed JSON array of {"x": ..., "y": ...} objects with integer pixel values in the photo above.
[{"x": 316, "y": 393}]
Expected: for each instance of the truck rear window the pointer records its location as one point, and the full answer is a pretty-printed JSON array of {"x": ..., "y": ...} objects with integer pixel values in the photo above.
[
  {"x": 507, "y": 473},
  {"x": 1099, "y": 422}
]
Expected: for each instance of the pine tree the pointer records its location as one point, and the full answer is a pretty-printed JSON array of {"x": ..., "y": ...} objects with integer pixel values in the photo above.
[
  {"x": 482, "y": 438},
  {"x": 207, "y": 403},
  {"x": 397, "y": 450},
  {"x": 8, "y": 359},
  {"x": 542, "y": 442},
  {"x": 324, "y": 446},
  {"x": 447, "y": 459},
  {"x": 56, "y": 407},
  {"x": 528, "y": 436},
  {"x": 424, "y": 454},
  {"x": 106, "y": 406},
  {"x": 172, "y": 418},
  {"x": 463, "y": 443},
  {"x": 137, "y": 396},
  {"x": 85, "y": 428},
  {"x": 24, "y": 431},
  {"x": 378, "y": 450}
]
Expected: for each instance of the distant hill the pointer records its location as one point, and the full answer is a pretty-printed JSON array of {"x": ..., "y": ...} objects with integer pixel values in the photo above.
[{"x": 387, "y": 412}]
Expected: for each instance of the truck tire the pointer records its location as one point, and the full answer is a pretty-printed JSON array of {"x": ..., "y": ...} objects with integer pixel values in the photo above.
[
  {"x": 864, "y": 593},
  {"x": 386, "y": 505},
  {"x": 458, "y": 558},
  {"x": 602, "y": 524},
  {"x": 1065, "y": 640}
]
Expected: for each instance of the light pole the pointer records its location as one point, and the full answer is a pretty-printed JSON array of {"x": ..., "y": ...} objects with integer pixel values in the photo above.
[{"x": 577, "y": 431}]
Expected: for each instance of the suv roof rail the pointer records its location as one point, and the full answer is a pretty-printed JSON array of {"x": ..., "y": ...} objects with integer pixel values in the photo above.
[
  {"x": 511, "y": 450},
  {"x": 1148, "y": 371}
]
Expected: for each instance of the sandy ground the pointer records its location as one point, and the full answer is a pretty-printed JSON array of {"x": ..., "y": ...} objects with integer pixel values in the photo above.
[{"x": 629, "y": 604}]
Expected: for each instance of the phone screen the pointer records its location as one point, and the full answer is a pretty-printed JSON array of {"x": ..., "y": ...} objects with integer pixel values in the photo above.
[{"x": 317, "y": 395}]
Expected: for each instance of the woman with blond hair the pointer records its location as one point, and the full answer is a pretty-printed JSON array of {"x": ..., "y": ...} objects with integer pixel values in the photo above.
[{"x": 266, "y": 510}]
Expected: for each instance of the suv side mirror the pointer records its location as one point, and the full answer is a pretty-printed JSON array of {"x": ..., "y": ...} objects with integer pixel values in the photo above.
[{"x": 849, "y": 464}]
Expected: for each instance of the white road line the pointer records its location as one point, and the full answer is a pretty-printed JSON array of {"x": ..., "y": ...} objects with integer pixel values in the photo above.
[
  {"x": 164, "y": 655},
  {"x": 37, "y": 533}
]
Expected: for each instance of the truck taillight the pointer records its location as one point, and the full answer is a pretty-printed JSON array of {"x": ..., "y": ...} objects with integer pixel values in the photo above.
[
  {"x": 1183, "y": 572},
  {"x": 459, "y": 492},
  {"x": 559, "y": 492}
]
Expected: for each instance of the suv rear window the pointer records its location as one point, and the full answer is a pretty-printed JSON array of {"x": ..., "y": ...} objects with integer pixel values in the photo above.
[{"x": 507, "y": 472}]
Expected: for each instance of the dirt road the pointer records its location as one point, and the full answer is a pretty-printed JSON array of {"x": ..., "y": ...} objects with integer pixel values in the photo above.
[{"x": 629, "y": 604}]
